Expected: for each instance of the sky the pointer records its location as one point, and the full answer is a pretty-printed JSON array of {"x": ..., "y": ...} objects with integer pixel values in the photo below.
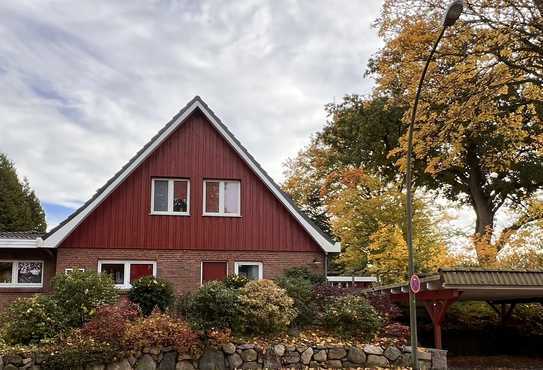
[{"x": 85, "y": 84}]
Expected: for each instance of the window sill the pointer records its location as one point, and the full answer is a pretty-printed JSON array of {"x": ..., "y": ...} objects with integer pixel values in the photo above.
[
  {"x": 169, "y": 214},
  {"x": 14, "y": 288},
  {"x": 220, "y": 215}
]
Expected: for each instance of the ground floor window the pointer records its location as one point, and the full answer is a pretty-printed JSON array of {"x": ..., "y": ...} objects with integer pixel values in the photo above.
[
  {"x": 252, "y": 270},
  {"x": 21, "y": 274},
  {"x": 124, "y": 273}
]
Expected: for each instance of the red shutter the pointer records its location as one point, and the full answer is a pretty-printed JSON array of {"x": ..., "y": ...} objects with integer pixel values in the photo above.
[
  {"x": 213, "y": 271},
  {"x": 140, "y": 270}
]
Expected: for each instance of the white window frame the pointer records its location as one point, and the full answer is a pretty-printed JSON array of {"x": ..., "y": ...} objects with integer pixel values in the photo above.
[
  {"x": 14, "y": 278},
  {"x": 126, "y": 283},
  {"x": 71, "y": 269},
  {"x": 221, "y": 212},
  {"x": 170, "y": 211},
  {"x": 245, "y": 263}
]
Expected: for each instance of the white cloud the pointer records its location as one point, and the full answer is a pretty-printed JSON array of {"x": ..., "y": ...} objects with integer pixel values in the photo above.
[{"x": 86, "y": 83}]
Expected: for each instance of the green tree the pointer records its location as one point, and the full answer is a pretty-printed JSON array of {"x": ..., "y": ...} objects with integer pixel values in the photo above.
[{"x": 21, "y": 209}]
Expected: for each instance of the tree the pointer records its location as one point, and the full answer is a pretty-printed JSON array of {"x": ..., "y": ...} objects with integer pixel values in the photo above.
[
  {"x": 368, "y": 217},
  {"x": 20, "y": 208},
  {"x": 479, "y": 131}
]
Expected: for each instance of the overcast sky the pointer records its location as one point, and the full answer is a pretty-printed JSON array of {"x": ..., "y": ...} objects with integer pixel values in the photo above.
[{"x": 84, "y": 84}]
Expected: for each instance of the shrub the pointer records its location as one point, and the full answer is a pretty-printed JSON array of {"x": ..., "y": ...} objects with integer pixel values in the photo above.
[
  {"x": 352, "y": 315},
  {"x": 266, "y": 307},
  {"x": 301, "y": 291},
  {"x": 110, "y": 322},
  {"x": 160, "y": 329},
  {"x": 235, "y": 281},
  {"x": 78, "y": 294},
  {"x": 31, "y": 320},
  {"x": 213, "y": 306},
  {"x": 384, "y": 306},
  {"x": 77, "y": 351},
  {"x": 303, "y": 273},
  {"x": 397, "y": 331},
  {"x": 150, "y": 292}
]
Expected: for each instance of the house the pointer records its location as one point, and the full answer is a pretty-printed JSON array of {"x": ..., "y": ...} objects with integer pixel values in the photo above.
[{"x": 191, "y": 206}]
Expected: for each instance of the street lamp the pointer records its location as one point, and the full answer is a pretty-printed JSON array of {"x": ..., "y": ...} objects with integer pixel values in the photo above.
[{"x": 451, "y": 16}]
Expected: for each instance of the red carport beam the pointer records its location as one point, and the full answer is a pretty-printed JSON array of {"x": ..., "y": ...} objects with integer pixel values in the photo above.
[{"x": 437, "y": 308}]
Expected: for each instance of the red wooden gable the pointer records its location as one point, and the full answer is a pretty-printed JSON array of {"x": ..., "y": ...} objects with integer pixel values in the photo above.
[{"x": 195, "y": 150}]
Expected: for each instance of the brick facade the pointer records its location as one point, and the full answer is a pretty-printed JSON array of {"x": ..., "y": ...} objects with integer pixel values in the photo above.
[
  {"x": 8, "y": 295},
  {"x": 182, "y": 267}
]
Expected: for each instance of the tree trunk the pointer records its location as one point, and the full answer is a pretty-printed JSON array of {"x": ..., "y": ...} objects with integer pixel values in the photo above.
[{"x": 482, "y": 205}]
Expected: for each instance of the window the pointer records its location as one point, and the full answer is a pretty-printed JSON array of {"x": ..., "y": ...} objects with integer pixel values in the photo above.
[
  {"x": 124, "y": 273},
  {"x": 251, "y": 270},
  {"x": 221, "y": 198},
  {"x": 21, "y": 274},
  {"x": 170, "y": 197}
]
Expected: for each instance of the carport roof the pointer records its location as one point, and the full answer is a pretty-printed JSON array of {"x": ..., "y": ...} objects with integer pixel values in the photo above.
[{"x": 477, "y": 284}]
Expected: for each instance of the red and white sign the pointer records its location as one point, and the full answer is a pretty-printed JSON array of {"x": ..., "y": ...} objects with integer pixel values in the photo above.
[{"x": 414, "y": 283}]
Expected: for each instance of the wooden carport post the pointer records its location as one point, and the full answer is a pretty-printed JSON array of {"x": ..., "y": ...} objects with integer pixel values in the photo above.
[{"x": 436, "y": 304}]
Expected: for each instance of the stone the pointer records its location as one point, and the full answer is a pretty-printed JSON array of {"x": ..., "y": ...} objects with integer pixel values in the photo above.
[
  {"x": 123, "y": 365},
  {"x": 184, "y": 356},
  {"x": 392, "y": 353},
  {"x": 10, "y": 367},
  {"x": 212, "y": 360},
  {"x": 320, "y": 355},
  {"x": 251, "y": 365},
  {"x": 152, "y": 350},
  {"x": 425, "y": 365},
  {"x": 371, "y": 349},
  {"x": 377, "y": 361},
  {"x": 145, "y": 362},
  {"x": 271, "y": 361},
  {"x": 39, "y": 357},
  {"x": 314, "y": 365},
  {"x": 13, "y": 359},
  {"x": 184, "y": 365},
  {"x": 26, "y": 361},
  {"x": 356, "y": 355},
  {"x": 336, "y": 353},
  {"x": 246, "y": 346},
  {"x": 168, "y": 361},
  {"x": 279, "y": 349},
  {"x": 291, "y": 348},
  {"x": 350, "y": 365},
  {"x": 404, "y": 360},
  {"x": 132, "y": 359},
  {"x": 249, "y": 355},
  {"x": 291, "y": 357},
  {"x": 425, "y": 356},
  {"x": 294, "y": 332},
  {"x": 301, "y": 348},
  {"x": 235, "y": 361},
  {"x": 439, "y": 358},
  {"x": 334, "y": 364},
  {"x": 229, "y": 348},
  {"x": 306, "y": 355}
]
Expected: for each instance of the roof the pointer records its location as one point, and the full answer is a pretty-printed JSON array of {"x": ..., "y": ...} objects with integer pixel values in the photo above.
[
  {"x": 29, "y": 235},
  {"x": 478, "y": 284},
  {"x": 54, "y": 237}
]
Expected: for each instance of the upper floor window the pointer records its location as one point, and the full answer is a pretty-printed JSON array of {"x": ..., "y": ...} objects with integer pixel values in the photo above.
[
  {"x": 170, "y": 197},
  {"x": 21, "y": 274},
  {"x": 221, "y": 198}
]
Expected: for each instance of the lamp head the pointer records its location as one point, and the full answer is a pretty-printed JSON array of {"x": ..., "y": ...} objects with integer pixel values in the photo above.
[{"x": 453, "y": 13}]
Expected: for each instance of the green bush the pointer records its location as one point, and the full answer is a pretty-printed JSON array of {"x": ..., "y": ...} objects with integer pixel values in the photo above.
[
  {"x": 77, "y": 351},
  {"x": 304, "y": 273},
  {"x": 213, "y": 306},
  {"x": 301, "y": 291},
  {"x": 31, "y": 320},
  {"x": 78, "y": 294},
  {"x": 235, "y": 281},
  {"x": 352, "y": 315},
  {"x": 150, "y": 292},
  {"x": 266, "y": 307}
]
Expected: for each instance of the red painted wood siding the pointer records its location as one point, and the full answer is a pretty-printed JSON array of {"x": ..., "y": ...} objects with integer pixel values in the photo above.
[{"x": 195, "y": 151}]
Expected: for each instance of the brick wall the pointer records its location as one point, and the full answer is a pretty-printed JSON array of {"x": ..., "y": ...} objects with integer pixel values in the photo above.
[
  {"x": 8, "y": 295},
  {"x": 182, "y": 267}
]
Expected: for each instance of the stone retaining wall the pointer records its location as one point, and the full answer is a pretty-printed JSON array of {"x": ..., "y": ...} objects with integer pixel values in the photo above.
[{"x": 249, "y": 356}]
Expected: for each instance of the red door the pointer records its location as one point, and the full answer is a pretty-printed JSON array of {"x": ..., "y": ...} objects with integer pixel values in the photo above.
[{"x": 213, "y": 271}]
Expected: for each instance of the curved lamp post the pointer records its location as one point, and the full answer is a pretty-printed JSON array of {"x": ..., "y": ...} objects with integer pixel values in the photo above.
[{"x": 451, "y": 16}]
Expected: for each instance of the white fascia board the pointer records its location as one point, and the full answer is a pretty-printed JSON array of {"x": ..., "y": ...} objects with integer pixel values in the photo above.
[
  {"x": 323, "y": 242},
  {"x": 56, "y": 238},
  {"x": 21, "y": 243},
  {"x": 347, "y": 279}
]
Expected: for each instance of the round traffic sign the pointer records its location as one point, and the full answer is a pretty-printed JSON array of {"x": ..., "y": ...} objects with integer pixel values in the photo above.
[{"x": 414, "y": 283}]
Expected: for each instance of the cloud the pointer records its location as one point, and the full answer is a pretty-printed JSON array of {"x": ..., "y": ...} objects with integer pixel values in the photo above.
[{"x": 86, "y": 83}]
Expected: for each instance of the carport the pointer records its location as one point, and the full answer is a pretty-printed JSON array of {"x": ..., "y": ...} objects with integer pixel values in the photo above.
[{"x": 501, "y": 289}]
